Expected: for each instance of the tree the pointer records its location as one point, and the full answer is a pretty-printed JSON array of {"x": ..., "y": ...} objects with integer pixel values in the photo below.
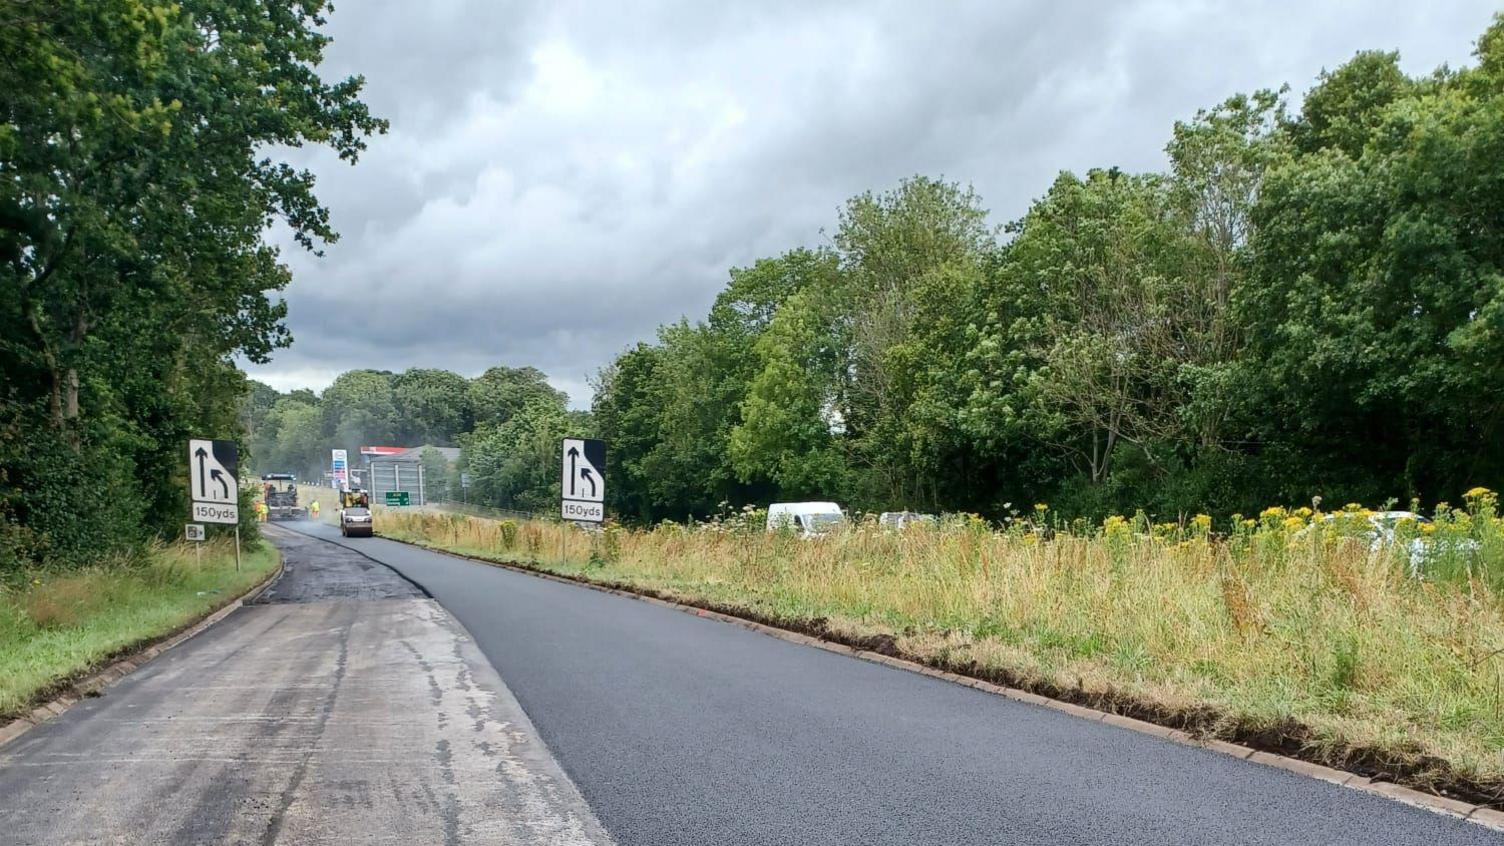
[
  {"x": 788, "y": 433},
  {"x": 669, "y": 408},
  {"x": 901, "y": 254},
  {"x": 430, "y": 406},
  {"x": 494, "y": 396},
  {"x": 299, "y": 445},
  {"x": 1379, "y": 256},
  {"x": 515, "y": 464},
  {"x": 134, "y": 136},
  {"x": 358, "y": 410},
  {"x": 626, "y": 411}
]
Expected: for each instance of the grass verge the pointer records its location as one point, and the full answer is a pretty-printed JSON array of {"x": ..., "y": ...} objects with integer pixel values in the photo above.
[
  {"x": 56, "y": 628},
  {"x": 1287, "y": 639}
]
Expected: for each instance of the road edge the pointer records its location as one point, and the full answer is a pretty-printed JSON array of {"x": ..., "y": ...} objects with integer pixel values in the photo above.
[
  {"x": 96, "y": 682},
  {"x": 1477, "y": 814}
]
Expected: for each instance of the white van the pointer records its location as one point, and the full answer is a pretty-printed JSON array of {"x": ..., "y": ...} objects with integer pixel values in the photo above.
[{"x": 807, "y": 519}]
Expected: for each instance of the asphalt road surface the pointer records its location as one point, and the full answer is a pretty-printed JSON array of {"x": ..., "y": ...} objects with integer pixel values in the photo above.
[
  {"x": 343, "y": 708},
  {"x": 682, "y": 730}
]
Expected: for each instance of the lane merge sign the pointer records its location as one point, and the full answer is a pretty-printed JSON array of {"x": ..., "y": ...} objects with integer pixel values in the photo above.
[
  {"x": 584, "y": 480},
  {"x": 213, "y": 481}
]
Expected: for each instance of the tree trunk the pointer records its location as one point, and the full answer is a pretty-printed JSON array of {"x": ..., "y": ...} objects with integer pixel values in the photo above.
[{"x": 70, "y": 405}]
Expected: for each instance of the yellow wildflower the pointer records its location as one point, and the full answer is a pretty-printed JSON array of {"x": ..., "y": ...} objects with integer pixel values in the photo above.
[
  {"x": 1478, "y": 493},
  {"x": 1202, "y": 521},
  {"x": 1293, "y": 523},
  {"x": 1273, "y": 512}
]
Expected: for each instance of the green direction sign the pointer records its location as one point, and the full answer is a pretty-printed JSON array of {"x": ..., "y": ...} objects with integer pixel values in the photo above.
[{"x": 398, "y": 498}]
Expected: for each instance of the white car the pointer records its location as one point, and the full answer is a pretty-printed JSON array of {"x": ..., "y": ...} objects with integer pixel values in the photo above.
[
  {"x": 807, "y": 519},
  {"x": 1418, "y": 550}
]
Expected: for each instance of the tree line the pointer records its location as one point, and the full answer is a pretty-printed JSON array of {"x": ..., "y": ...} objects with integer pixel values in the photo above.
[
  {"x": 508, "y": 422},
  {"x": 1305, "y": 302},
  {"x": 138, "y": 172}
]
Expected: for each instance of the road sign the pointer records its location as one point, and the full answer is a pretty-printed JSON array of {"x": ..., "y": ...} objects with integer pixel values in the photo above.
[
  {"x": 340, "y": 459},
  {"x": 213, "y": 483},
  {"x": 193, "y": 531},
  {"x": 584, "y": 479},
  {"x": 398, "y": 498},
  {"x": 212, "y": 467},
  {"x": 213, "y": 512}
]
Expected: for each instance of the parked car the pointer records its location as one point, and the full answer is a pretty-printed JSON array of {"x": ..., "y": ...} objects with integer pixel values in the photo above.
[
  {"x": 1419, "y": 550},
  {"x": 355, "y": 522},
  {"x": 807, "y": 519},
  {"x": 902, "y": 519}
]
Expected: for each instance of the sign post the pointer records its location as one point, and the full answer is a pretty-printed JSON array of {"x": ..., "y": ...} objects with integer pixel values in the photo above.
[
  {"x": 214, "y": 484},
  {"x": 583, "y": 487},
  {"x": 195, "y": 533}
]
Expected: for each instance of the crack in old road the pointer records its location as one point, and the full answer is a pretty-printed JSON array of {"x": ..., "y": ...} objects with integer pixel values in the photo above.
[{"x": 300, "y": 770}]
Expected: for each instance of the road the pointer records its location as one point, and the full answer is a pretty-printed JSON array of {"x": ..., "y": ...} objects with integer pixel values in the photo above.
[
  {"x": 682, "y": 730},
  {"x": 344, "y": 707},
  {"x": 347, "y": 707}
]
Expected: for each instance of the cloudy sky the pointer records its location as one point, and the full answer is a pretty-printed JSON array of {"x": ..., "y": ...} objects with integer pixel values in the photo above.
[{"x": 562, "y": 177}]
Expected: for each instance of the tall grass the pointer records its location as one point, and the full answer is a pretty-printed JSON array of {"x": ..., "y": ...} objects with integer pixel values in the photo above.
[
  {"x": 1289, "y": 624},
  {"x": 53, "y": 627}
]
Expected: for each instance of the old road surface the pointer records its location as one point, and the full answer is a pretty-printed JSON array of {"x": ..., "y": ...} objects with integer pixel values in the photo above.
[
  {"x": 348, "y": 711},
  {"x": 343, "y": 707}
]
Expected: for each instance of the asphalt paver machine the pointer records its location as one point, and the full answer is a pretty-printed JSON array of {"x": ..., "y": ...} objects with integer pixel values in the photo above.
[{"x": 280, "y": 493}]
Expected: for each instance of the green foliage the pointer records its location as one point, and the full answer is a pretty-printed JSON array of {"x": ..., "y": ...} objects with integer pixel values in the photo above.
[
  {"x": 358, "y": 409},
  {"x": 1303, "y": 304},
  {"x": 515, "y": 464},
  {"x": 788, "y": 433},
  {"x": 430, "y": 406},
  {"x": 1379, "y": 256},
  {"x": 669, "y": 410},
  {"x": 132, "y": 261},
  {"x": 494, "y": 396}
]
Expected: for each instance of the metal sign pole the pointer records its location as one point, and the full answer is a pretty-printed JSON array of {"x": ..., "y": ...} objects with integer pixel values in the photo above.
[{"x": 237, "y": 547}]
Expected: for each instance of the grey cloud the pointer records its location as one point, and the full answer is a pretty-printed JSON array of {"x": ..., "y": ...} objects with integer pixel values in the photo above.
[{"x": 560, "y": 179}]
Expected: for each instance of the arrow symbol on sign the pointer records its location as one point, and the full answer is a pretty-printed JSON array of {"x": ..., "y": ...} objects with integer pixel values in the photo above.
[
  {"x": 220, "y": 478},
  {"x": 573, "y": 454},
  {"x": 203, "y": 483},
  {"x": 589, "y": 478}
]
